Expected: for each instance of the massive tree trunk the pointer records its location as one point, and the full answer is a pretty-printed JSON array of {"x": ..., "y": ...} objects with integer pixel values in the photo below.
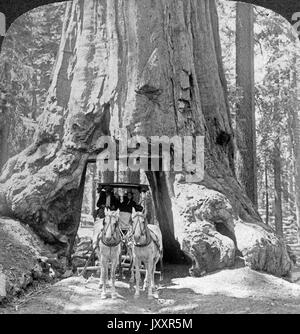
[
  {"x": 267, "y": 193},
  {"x": 153, "y": 68},
  {"x": 294, "y": 134},
  {"x": 277, "y": 188},
  {"x": 296, "y": 143},
  {"x": 246, "y": 167},
  {"x": 296, "y": 130},
  {"x": 4, "y": 118},
  {"x": 3, "y": 139}
]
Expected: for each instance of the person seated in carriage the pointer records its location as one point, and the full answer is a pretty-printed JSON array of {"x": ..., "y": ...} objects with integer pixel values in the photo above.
[
  {"x": 107, "y": 200},
  {"x": 125, "y": 211},
  {"x": 128, "y": 202}
]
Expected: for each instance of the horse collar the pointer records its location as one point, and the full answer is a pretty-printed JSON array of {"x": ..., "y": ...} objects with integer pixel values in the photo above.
[
  {"x": 108, "y": 244},
  {"x": 143, "y": 245}
]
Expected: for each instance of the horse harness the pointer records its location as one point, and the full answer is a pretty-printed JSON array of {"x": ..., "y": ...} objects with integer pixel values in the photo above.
[
  {"x": 103, "y": 232},
  {"x": 123, "y": 238},
  {"x": 149, "y": 237}
]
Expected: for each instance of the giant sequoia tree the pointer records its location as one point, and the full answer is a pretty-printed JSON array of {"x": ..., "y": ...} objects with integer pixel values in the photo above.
[
  {"x": 246, "y": 156},
  {"x": 294, "y": 126},
  {"x": 154, "y": 68}
]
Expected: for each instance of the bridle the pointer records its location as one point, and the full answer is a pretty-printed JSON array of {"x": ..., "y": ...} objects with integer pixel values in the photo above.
[
  {"x": 144, "y": 230},
  {"x": 116, "y": 233}
]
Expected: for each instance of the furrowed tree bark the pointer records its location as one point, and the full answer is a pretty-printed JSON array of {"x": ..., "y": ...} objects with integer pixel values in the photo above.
[
  {"x": 294, "y": 133},
  {"x": 152, "y": 68},
  {"x": 4, "y": 121},
  {"x": 277, "y": 188},
  {"x": 94, "y": 189},
  {"x": 267, "y": 193},
  {"x": 297, "y": 165},
  {"x": 296, "y": 144},
  {"x": 3, "y": 140},
  {"x": 246, "y": 158}
]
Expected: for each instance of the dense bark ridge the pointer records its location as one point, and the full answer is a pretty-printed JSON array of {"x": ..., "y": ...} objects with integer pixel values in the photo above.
[
  {"x": 152, "y": 68},
  {"x": 278, "y": 188},
  {"x": 294, "y": 133}
]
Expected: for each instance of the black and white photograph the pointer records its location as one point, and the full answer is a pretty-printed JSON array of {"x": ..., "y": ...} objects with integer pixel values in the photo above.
[{"x": 149, "y": 159}]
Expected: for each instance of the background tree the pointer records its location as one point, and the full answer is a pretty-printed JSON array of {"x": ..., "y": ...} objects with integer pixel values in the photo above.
[
  {"x": 276, "y": 98},
  {"x": 246, "y": 166},
  {"x": 276, "y": 49},
  {"x": 294, "y": 132}
]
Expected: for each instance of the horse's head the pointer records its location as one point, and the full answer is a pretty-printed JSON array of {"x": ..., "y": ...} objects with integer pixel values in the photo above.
[
  {"x": 139, "y": 227},
  {"x": 110, "y": 225}
]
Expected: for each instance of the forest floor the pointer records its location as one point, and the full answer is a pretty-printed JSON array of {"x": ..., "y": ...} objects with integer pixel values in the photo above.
[
  {"x": 233, "y": 291},
  {"x": 228, "y": 291}
]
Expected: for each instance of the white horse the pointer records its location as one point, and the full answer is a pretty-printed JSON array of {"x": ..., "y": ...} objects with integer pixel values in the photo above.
[
  {"x": 147, "y": 248},
  {"x": 109, "y": 250}
]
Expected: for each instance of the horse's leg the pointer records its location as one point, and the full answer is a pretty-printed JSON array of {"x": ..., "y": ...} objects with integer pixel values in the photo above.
[
  {"x": 136, "y": 264},
  {"x": 150, "y": 275},
  {"x": 131, "y": 266},
  {"x": 106, "y": 272},
  {"x": 119, "y": 263},
  {"x": 153, "y": 273},
  {"x": 114, "y": 264},
  {"x": 120, "y": 266},
  {"x": 146, "y": 279},
  {"x": 161, "y": 269},
  {"x": 104, "y": 266},
  {"x": 100, "y": 269},
  {"x": 131, "y": 269}
]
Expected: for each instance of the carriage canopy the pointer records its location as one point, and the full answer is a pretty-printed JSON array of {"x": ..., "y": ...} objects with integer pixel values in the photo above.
[{"x": 137, "y": 186}]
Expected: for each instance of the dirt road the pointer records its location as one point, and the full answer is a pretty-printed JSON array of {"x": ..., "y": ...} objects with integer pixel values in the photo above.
[{"x": 229, "y": 291}]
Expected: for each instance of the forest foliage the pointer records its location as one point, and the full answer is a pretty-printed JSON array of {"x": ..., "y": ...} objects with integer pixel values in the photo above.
[{"x": 276, "y": 53}]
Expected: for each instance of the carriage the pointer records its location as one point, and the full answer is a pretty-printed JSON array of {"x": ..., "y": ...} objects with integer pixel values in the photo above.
[{"x": 119, "y": 190}]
